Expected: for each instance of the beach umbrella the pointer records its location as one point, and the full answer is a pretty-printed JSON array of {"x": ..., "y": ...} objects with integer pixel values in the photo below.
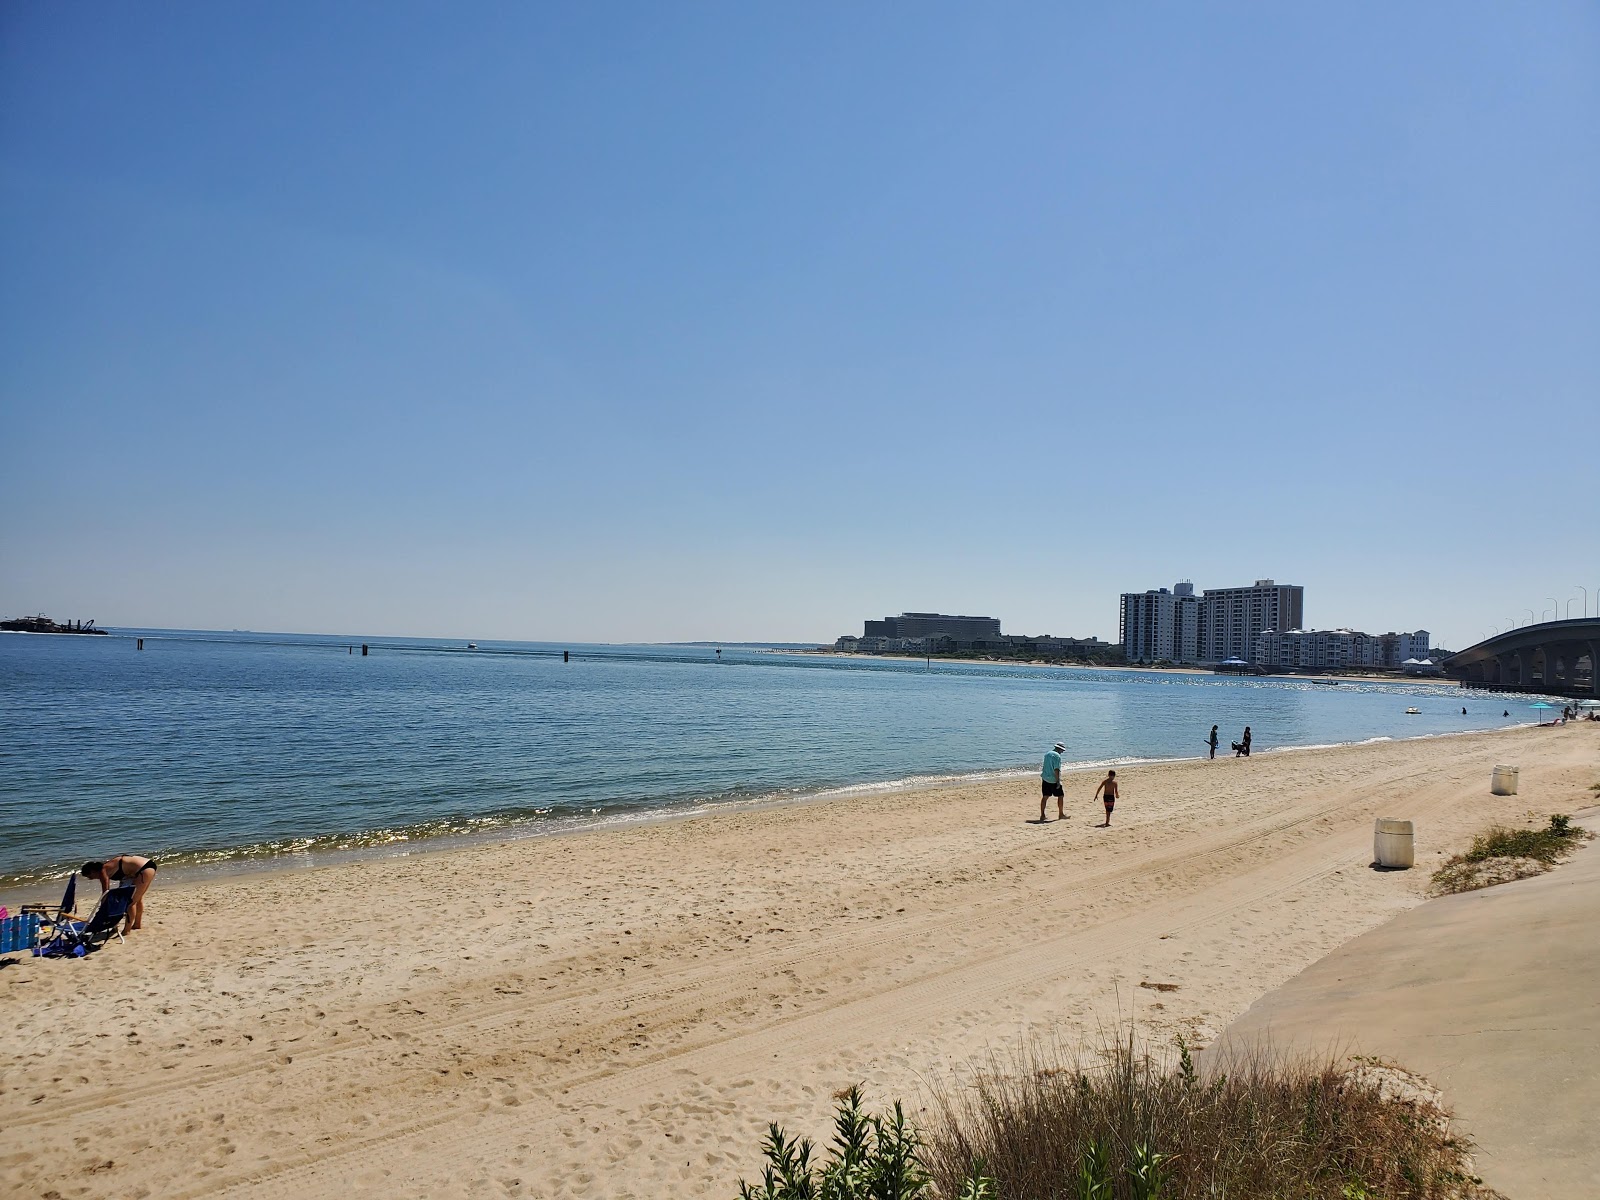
[{"x": 1538, "y": 704}]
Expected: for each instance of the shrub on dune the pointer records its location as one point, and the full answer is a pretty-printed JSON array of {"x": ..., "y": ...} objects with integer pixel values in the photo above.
[{"x": 1123, "y": 1124}]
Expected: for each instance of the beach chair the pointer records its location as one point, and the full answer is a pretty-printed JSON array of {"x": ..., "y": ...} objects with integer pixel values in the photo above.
[
  {"x": 54, "y": 912},
  {"x": 19, "y": 932},
  {"x": 70, "y": 936},
  {"x": 44, "y": 917}
]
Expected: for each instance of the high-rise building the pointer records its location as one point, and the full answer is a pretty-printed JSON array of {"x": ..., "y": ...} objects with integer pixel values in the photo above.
[
  {"x": 1231, "y": 619},
  {"x": 1161, "y": 626}
]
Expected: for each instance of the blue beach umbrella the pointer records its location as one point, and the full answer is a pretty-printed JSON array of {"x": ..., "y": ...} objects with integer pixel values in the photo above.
[{"x": 1538, "y": 704}]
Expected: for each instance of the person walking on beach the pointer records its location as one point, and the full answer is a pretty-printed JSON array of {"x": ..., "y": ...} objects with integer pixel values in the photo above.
[
  {"x": 1241, "y": 749},
  {"x": 124, "y": 868},
  {"x": 1050, "y": 783},
  {"x": 1108, "y": 791},
  {"x": 1212, "y": 741}
]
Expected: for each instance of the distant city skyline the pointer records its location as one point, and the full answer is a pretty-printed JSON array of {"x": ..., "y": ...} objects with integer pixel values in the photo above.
[{"x": 737, "y": 323}]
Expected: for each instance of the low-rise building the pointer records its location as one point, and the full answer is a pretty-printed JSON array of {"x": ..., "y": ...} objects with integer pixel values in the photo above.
[
  {"x": 920, "y": 624},
  {"x": 1336, "y": 649}
]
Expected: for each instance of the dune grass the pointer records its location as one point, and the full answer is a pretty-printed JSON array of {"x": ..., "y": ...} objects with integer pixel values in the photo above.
[
  {"x": 1500, "y": 853},
  {"x": 1120, "y": 1123}
]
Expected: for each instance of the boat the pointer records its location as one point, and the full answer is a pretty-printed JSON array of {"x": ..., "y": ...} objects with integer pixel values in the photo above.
[
  {"x": 1413, "y": 712},
  {"x": 43, "y": 624},
  {"x": 472, "y": 645}
]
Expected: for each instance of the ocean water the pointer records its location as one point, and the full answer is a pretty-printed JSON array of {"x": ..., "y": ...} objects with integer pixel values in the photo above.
[{"x": 215, "y": 747}]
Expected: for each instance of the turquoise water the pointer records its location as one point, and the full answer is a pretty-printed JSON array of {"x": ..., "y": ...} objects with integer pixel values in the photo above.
[{"x": 213, "y": 747}]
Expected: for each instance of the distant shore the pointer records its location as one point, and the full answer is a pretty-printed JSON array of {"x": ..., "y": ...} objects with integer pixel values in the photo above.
[
  {"x": 622, "y": 1011},
  {"x": 1077, "y": 665}
]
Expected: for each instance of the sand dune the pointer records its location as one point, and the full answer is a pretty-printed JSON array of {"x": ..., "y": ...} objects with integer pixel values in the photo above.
[{"x": 620, "y": 1013}]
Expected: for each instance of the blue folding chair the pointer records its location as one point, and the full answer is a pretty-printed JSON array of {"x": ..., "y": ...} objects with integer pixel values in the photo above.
[
  {"x": 44, "y": 917},
  {"x": 70, "y": 936},
  {"x": 19, "y": 932}
]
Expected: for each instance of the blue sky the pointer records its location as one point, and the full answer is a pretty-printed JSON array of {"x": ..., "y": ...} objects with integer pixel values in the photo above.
[{"x": 616, "y": 322}]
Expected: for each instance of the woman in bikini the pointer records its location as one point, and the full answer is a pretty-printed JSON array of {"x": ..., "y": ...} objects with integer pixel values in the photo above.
[{"x": 125, "y": 868}]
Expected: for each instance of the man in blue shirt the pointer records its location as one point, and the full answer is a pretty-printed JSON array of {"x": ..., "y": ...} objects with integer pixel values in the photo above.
[{"x": 1050, "y": 783}]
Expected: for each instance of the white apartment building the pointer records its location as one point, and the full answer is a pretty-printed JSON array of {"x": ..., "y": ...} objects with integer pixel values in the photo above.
[
  {"x": 1405, "y": 645},
  {"x": 1316, "y": 649},
  {"x": 1161, "y": 626},
  {"x": 1335, "y": 649}
]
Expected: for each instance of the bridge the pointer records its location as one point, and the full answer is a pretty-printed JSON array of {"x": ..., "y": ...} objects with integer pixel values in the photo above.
[{"x": 1553, "y": 657}]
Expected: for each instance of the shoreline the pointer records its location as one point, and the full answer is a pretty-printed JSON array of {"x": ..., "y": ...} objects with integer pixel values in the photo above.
[
  {"x": 622, "y": 1014},
  {"x": 44, "y": 884}
]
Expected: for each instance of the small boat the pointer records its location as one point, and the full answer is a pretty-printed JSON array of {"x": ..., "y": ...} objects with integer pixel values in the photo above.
[
  {"x": 1413, "y": 712},
  {"x": 472, "y": 645}
]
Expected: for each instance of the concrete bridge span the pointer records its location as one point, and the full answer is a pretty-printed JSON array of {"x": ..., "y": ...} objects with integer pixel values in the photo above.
[{"x": 1557, "y": 657}]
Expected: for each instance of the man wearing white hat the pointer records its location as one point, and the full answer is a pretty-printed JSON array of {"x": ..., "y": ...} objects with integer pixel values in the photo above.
[{"x": 1050, "y": 783}]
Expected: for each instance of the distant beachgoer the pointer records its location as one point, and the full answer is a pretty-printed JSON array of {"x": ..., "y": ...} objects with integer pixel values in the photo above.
[
  {"x": 1050, "y": 782},
  {"x": 1108, "y": 786},
  {"x": 1463, "y": 712},
  {"x": 1241, "y": 749},
  {"x": 125, "y": 868},
  {"x": 1507, "y": 713},
  {"x": 1212, "y": 741}
]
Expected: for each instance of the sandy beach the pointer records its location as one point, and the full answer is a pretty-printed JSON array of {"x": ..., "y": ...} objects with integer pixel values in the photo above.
[{"x": 620, "y": 1013}]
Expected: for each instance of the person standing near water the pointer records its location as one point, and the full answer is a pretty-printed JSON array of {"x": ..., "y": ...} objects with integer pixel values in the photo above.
[
  {"x": 127, "y": 869},
  {"x": 1212, "y": 741},
  {"x": 1241, "y": 748},
  {"x": 1050, "y": 783},
  {"x": 1108, "y": 788}
]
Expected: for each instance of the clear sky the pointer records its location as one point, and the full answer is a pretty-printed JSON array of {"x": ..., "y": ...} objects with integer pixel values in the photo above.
[{"x": 746, "y": 321}]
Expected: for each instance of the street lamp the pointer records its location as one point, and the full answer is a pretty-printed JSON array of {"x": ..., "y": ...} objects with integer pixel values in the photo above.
[
  {"x": 1530, "y": 616},
  {"x": 1555, "y": 608},
  {"x": 1585, "y": 592}
]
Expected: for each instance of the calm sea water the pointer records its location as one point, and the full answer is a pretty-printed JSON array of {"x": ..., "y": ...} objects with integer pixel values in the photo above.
[{"x": 213, "y": 747}]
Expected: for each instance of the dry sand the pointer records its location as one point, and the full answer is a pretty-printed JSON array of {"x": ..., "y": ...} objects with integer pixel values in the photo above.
[
  {"x": 620, "y": 1013},
  {"x": 1494, "y": 997}
]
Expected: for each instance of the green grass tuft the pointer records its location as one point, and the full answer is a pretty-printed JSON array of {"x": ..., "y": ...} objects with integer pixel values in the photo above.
[{"x": 1499, "y": 854}]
